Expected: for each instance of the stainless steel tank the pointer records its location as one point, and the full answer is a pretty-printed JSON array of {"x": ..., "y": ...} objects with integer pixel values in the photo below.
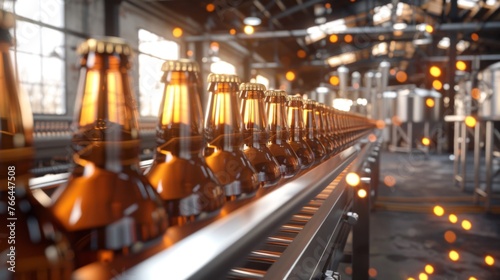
[
  {"x": 409, "y": 106},
  {"x": 463, "y": 99},
  {"x": 489, "y": 105},
  {"x": 343, "y": 81},
  {"x": 431, "y": 104}
]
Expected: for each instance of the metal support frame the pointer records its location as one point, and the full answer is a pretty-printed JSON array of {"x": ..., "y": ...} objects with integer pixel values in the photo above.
[
  {"x": 360, "y": 238},
  {"x": 490, "y": 134}
]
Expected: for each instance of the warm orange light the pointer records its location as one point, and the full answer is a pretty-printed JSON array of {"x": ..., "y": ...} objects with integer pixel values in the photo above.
[
  {"x": 438, "y": 211},
  {"x": 392, "y": 71},
  {"x": 372, "y": 137},
  {"x": 334, "y": 38},
  {"x": 348, "y": 270},
  {"x": 380, "y": 124},
  {"x": 248, "y": 29},
  {"x": 334, "y": 80},
  {"x": 214, "y": 46},
  {"x": 232, "y": 31},
  {"x": 189, "y": 53},
  {"x": 362, "y": 193},
  {"x": 177, "y": 32},
  {"x": 429, "y": 102},
  {"x": 290, "y": 76},
  {"x": 472, "y": 278},
  {"x": 475, "y": 93},
  {"x": 429, "y": 28},
  {"x": 454, "y": 255},
  {"x": 453, "y": 218},
  {"x": 450, "y": 236},
  {"x": 462, "y": 66},
  {"x": 470, "y": 121},
  {"x": 437, "y": 85},
  {"x": 401, "y": 76},
  {"x": 210, "y": 7},
  {"x": 474, "y": 37},
  {"x": 423, "y": 276},
  {"x": 352, "y": 179},
  {"x": 435, "y": 71},
  {"x": 348, "y": 38},
  {"x": 489, "y": 260},
  {"x": 301, "y": 54},
  {"x": 396, "y": 120},
  {"x": 429, "y": 269},
  {"x": 372, "y": 272},
  {"x": 328, "y": 5},
  {"x": 466, "y": 224},
  {"x": 410, "y": 278},
  {"x": 426, "y": 141},
  {"x": 389, "y": 181}
]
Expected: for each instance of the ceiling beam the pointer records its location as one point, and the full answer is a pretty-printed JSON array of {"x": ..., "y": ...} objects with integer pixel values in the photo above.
[
  {"x": 445, "y": 27},
  {"x": 296, "y": 8}
]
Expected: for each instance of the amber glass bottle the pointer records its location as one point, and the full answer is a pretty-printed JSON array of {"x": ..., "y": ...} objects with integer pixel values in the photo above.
[
  {"x": 179, "y": 173},
  {"x": 280, "y": 134},
  {"x": 321, "y": 125},
  {"x": 312, "y": 139},
  {"x": 32, "y": 245},
  {"x": 330, "y": 128},
  {"x": 223, "y": 132},
  {"x": 297, "y": 138},
  {"x": 107, "y": 204},
  {"x": 256, "y": 134}
]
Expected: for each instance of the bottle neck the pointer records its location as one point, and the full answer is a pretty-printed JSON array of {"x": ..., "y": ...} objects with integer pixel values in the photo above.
[
  {"x": 295, "y": 122},
  {"x": 254, "y": 117},
  {"x": 223, "y": 121},
  {"x": 310, "y": 121},
  {"x": 180, "y": 126},
  {"x": 105, "y": 125},
  {"x": 277, "y": 123}
]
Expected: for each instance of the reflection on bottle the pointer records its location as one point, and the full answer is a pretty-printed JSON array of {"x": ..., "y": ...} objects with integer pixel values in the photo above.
[
  {"x": 179, "y": 173},
  {"x": 297, "y": 138},
  {"x": 256, "y": 134},
  {"x": 32, "y": 245},
  {"x": 223, "y": 132},
  {"x": 107, "y": 205},
  {"x": 320, "y": 152},
  {"x": 321, "y": 125},
  {"x": 279, "y": 133}
]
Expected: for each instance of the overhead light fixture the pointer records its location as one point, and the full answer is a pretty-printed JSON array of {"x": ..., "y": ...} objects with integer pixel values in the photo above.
[
  {"x": 252, "y": 20},
  {"x": 444, "y": 43},
  {"x": 322, "y": 89},
  {"x": 422, "y": 38},
  {"x": 399, "y": 26},
  {"x": 248, "y": 29}
]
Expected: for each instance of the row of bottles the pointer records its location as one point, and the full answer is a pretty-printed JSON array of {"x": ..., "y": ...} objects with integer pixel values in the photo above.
[{"x": 250, "y": 138}]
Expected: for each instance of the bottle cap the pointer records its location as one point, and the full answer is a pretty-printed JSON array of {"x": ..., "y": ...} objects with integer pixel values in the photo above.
[
  {"x": 295, "y": 98},
  {"x": 106, "y": 45},
  {"x": 252, "y": 86},
  {"x": 223, "y": 78},
  {"x": 275, "y": 92},
  {"x": 184, "y": 65},
  {"x": 310, "y": 102}
]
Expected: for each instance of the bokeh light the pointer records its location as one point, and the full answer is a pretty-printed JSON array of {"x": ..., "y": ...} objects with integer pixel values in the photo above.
[
  {"x": 454, "y": 255},
  {"x": 372, "y": 272},
  {"x": 389, "y": 181},
  {"x": 470, "y": 121},
  {"x": 248, "y": 29},
  {"x": 177, "y": 32},
  {"x": 437, "y": 85},
  {"x": 352, "y": 179},
  {"x": 466, "y": 224},
  {"x": 334, "y": 38},
  {"x": 435, "y": 71},
  {"x": 453, "y": 218},
  {"x": 290, "y": 76},
  {"x": 334, "y": 80},
  {"x": 475, "y": 93},
  {"x": 429, "y": 269},
  {"x": 450, "y": 236},
  {"x": 423, "y": 276},
  {"x": 426, "y": 141},
  {"x": 438, "y": 210},
  {"x": 489, "y": 260},
  {"x": 348, "y": 38},
  {"x": 461, "y": 65},
  {"x": 429, "y": 102},
  {"x": 362, "y": 193},
  {"x": 401, "y": 76}
]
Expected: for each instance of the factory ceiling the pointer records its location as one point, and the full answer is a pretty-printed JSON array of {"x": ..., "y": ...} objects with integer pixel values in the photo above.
[{"x": 314, "y": 37}]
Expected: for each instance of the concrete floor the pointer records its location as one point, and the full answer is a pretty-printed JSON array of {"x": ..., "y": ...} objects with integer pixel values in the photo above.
[{"x": 405, "y": 234}]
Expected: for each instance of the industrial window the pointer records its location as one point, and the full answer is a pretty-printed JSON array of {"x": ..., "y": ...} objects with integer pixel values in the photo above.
[
  {"x": 222, "y": 67},
  {"x": 39, "y": 53},
  {"x": 153, "y": 51}
]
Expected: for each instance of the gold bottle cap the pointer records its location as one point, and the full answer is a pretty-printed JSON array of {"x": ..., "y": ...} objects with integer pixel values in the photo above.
[
  {"x": 275, "y": 92},
  {"x": 223, "y": 78},
  {"x": 184, "y": 65},
  {"x": 106, "y": 45},
  {"x": 7, "y": 20},
  {"x": 310, "y": 102},
  {"x": 252, "y": 86},
  {"x": 295, "y": 98}
]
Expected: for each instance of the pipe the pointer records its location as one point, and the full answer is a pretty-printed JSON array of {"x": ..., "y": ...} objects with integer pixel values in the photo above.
[{"x": 343, "y": 80}]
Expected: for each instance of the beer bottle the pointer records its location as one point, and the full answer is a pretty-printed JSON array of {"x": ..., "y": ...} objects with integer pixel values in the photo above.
[
  {"x": 32, "y": 246},
  {"x": 295, "y": 121},
  {"x": 256, "y": 134},
  {"x": 223, "y": 132},
  {"x": 332, "y": 128},
  {"x": 312, "y": 139},
  {"x": 107, "y": 205},
  {"x": 321, "y": 125},
  {"x": 179, "y": 173},
  {"x": 279, "y": 133}
]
